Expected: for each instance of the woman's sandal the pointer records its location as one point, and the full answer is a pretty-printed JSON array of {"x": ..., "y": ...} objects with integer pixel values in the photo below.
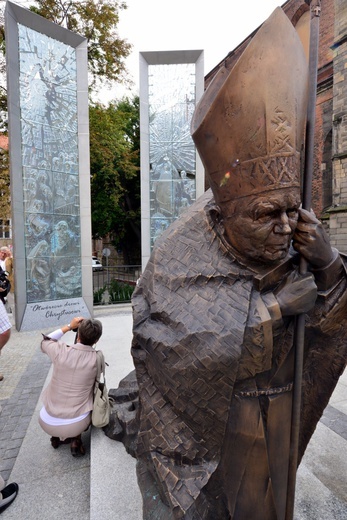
[{"x": 77, "y": 448}]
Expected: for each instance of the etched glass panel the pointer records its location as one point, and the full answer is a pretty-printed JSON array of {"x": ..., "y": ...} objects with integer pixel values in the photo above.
[
  {"x": 48, "y": 113},
  {"x": 171, "y": 94}
]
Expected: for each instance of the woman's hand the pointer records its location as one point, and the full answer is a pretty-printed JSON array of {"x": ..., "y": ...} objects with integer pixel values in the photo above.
[{"x": 75, "y": 322}]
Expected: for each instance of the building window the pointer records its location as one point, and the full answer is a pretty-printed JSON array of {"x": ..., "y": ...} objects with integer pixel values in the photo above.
[{"x": 5, "y": 229}]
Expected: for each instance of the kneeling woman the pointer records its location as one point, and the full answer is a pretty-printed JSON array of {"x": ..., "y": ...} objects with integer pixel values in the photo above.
[{"x": 68, "y": 398}]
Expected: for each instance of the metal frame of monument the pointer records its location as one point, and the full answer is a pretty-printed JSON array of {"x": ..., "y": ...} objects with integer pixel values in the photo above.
[
  {"x": 180, "y": 143},
  {"x": 47, "y": 79}
]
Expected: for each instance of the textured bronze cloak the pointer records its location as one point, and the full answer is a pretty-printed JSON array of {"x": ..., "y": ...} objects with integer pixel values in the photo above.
[{"x": 215, "y": 377}]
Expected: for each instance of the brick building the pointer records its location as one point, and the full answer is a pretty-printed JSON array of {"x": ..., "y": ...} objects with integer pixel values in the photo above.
[{"x": 329, "y": 190}]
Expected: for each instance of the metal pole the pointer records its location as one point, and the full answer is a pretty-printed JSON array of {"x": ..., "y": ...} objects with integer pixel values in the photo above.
[{"x": 299, "y": 338}]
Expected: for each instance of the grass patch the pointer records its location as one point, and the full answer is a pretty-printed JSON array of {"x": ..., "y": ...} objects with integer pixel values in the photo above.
[{"x": 120, "y": 291}]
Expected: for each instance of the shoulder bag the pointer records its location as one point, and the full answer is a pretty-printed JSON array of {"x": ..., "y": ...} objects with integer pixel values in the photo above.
[{"x": 101, "y": 407}]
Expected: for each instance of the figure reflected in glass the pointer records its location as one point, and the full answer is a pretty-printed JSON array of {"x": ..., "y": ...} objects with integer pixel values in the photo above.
[
  {"x": 37, "y": 223},
  {"x": 67, "y": 278},
  {"x": 64, "y": 241},
  {"x": 39, "y": 271},
  {"x": 169, "y": 188}
]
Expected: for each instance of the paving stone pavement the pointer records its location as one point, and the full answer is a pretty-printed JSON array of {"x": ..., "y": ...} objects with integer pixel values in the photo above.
[{"x": 25, "y": 370}]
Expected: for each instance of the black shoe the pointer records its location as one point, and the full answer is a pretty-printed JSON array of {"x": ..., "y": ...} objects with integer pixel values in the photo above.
[
  {"x": 9, "y": 493},
  {"x": 56, "y": 442},
  {"x": 77, "y": 448}
]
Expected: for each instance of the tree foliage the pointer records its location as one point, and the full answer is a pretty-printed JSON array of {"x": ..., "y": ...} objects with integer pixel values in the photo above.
[
  {"x": 115, "y": 177},
  {"x": 5, "y": 196},
  {"x": 3, "y": 89},
  {"x": 97, "y": 21}
]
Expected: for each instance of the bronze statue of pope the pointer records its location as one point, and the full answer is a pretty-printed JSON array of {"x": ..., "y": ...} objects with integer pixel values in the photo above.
[{"x": 214, "y": 311}]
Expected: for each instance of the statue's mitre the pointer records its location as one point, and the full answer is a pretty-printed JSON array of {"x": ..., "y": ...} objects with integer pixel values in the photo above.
[{"x": 249, "y": 124}]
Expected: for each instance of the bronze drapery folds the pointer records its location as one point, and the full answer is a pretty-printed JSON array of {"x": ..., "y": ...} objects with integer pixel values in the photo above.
[{"x": 214, "y": 310}]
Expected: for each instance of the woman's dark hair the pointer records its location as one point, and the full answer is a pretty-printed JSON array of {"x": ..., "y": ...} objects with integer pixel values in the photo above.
[{"x": 89, "y": 331}]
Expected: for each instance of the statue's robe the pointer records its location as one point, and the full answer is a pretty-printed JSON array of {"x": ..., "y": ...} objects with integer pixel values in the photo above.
[{"x": 215, "y": 376}]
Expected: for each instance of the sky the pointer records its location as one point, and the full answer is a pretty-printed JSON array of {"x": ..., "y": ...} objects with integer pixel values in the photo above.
[{"x": 216, "y": 27}]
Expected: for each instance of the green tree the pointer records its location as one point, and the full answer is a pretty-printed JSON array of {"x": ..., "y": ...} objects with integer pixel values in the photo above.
[
  {"x": 3, "y": 89},
  {"x": 5, "y": 196},
  {"x": 115, "y": 177}
]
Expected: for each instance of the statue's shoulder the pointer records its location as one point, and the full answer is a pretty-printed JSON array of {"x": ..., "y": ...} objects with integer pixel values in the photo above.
[{"x": 190, "y": 250}]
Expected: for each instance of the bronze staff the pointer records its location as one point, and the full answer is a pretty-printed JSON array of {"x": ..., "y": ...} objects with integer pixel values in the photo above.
[{"x": 306, "y": 204}]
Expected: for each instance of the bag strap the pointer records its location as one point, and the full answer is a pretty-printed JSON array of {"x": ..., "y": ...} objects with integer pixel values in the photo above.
[{"x": 100, "y": 363}]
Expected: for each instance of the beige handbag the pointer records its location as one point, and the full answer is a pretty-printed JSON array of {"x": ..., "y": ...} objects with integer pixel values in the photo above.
[{"x": 102, "y": 406}]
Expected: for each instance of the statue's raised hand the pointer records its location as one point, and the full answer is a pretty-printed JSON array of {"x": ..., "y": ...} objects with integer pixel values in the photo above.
[{"x": 311, "y": 240}]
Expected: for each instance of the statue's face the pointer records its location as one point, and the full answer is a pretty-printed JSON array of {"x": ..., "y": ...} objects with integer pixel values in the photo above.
[{"x": 260, "y": 228}]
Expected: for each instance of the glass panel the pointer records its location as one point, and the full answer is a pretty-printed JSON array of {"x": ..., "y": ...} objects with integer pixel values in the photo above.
[
  {"x": 171, "y": 93},
  {"x": 48, "y": 105}
]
